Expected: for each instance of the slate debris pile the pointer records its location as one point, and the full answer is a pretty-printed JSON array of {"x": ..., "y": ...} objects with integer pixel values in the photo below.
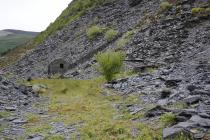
[{"x": 14, "y": 100}]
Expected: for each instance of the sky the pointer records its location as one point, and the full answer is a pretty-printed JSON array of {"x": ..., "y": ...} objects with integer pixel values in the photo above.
[{"x": 30, "y": 15}]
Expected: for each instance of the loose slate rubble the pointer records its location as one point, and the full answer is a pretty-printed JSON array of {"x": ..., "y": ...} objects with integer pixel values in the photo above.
[
  {"x": 14, "y": 99},
  {"x": 177, "y": 44}
]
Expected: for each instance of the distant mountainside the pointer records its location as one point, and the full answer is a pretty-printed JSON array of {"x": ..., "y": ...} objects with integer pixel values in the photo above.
[
  {"x": 21, "y": 32},
  {"x": 10, "y": 39}
]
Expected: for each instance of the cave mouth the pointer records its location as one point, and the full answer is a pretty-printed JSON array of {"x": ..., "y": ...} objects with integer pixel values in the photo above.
[{"x": 61, "y": 66}]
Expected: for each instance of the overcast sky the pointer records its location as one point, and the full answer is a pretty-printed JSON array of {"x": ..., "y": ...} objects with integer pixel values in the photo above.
[{"x": 30, "y": 15}]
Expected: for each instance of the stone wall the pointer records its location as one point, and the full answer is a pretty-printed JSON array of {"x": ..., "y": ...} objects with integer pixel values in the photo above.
[{"x": 58, "y": 66}]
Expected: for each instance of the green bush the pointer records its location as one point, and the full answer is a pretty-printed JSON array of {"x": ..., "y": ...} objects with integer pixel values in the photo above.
[
  {"x": 111, "y": 34},
  {"x": 93, "y": 31},
  {"x": 110, "y": 64},
  {"x": 165, "y": 6},
  {"x": 197, "y": 10},
  {"x": 168, "y": 119},
  {"x": 201, "y": 11}
]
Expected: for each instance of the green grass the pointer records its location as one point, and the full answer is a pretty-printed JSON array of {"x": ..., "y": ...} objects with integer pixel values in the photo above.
[
  {"x": 32, "y": 118},
  {"x": 197, "y": 10},
  {"x": 55, "y": 137},
  {"x": 168, "y": 119},
  {"x": 13, "y": 41},
  {"x": 110, "y": 64},
  {"x": 178, "y": 105},
  {"x": 4, "y": 114},
  {"x": 93, "y": 32},
  {"x": 165, "y": 6},
  {"x": 111, "y": 34},
  {"x": 41, "y": 128},
  {"x": 201, "y": 11},
  {"x": 75, "y": 10},
  {"x": 83, "y": 101}
]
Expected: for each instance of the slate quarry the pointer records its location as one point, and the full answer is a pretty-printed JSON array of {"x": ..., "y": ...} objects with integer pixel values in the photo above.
[{"x": 169, "y": 52}]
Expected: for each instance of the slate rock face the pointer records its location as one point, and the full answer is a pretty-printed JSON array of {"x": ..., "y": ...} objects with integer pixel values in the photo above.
[{"x": 179, "y": 46}]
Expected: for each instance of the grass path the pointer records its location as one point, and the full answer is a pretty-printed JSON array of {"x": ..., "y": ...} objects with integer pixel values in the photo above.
[{"x": 97, "y": 113}]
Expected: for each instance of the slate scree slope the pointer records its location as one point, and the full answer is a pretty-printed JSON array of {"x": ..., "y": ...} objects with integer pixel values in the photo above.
[{"x": 173, "y": 42}]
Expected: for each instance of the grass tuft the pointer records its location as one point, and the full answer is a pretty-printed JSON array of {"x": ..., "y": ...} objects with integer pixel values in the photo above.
[
  {"x": 168, "y": 119},
  {"x": 111, "y": 34},
  {"x": 198, "y": 10},
  {"x": 110, "y": 64},
  {"x": 165, "y": 6},
  {"x": 93, "y": 32},
  {"x": 32, "y": 118}
]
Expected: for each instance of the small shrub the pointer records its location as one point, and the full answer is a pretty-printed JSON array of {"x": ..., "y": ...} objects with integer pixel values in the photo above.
[
  {"x": 201, "y": 11},
  {"x": 197, "y": 10},
  {"x": 165, "y": 6},
  {"x": 111, "y": 34},
  {"x": 168, "y": 119},
  {"x": 110, "y": 64},
  {"x": 93, "y": 31}
]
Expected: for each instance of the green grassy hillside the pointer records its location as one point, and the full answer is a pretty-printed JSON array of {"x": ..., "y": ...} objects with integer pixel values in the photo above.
[
  {"x": 76, "y": 9},
  {"x": 13, "y": 41}
]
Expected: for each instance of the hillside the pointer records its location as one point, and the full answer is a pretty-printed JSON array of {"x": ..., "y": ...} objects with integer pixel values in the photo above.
[
  {"x": 10, "y": 39},
  {"x": 162, "y": 92}
]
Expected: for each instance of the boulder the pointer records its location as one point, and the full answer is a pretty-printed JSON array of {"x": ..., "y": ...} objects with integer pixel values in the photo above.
[
  {"x": 200, "y": 92},
  {"x": 19, "y": 121},
  {"x": 156, "y": 111},
  {"x": 192, "y": 99},
  {"x": 203, "y": 122},
  {"x": 169, "y": 133},
  {"x": 11, "y": 108}
]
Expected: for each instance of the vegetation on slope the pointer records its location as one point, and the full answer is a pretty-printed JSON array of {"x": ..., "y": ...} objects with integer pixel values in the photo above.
[
  {"x": 111, "y": 34},
  {"x": 72, "y": 12},
  {"x": 110, "y": 64},
  {"x": 13, "y": 41},
  {"x": 87, "y": 103},
  {"x": 76, "y": 9},
  {"x": 93, "y": 32}
]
